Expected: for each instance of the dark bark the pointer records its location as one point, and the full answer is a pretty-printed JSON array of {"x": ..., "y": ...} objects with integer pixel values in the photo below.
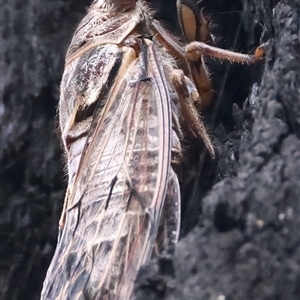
[
  {"x": 34, "y": 39},
  {"x": 242, "y": 239}
]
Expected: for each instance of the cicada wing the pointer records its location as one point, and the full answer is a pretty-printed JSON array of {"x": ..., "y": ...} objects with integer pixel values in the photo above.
[
  {"x": 118, "y": 196},
  {"x": 169, "y": 227}
]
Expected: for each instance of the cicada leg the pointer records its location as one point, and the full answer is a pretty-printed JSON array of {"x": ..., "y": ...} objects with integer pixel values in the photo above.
[
  {"x": 195, "y": 50},
  {"x": 188, "y": 95}
]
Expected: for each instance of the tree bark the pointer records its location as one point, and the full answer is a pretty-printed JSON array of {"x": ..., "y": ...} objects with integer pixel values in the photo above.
[{"x": 240, "y": 226}]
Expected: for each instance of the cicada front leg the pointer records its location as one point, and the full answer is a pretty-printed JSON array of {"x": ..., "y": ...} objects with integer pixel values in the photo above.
[
  {"x": 197, "y": 49},
  {"x": 194, "y": 52}
]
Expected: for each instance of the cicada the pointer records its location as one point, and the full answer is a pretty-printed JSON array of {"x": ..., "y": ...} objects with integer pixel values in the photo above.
[{"x": 128, "y": 88}]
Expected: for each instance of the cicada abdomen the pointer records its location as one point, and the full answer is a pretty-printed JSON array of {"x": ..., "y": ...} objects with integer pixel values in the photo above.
[{"x": 127, "y": 86}]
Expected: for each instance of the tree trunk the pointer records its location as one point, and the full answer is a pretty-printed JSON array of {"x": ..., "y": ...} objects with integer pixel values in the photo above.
[{"x": 241, "y": 213}]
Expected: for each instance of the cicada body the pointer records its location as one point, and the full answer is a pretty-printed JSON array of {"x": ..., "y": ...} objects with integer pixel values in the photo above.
[{"x": 123, "y": 97}]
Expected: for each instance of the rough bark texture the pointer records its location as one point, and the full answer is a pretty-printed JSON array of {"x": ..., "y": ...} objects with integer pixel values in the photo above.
[{"x": 241, "y": 240}]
